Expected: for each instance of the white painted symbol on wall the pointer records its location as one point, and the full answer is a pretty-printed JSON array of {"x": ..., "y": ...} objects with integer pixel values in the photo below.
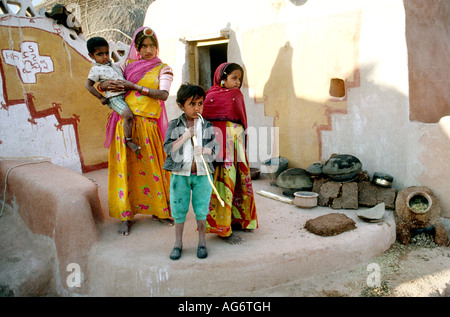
[{"x": 28, "y": 61}]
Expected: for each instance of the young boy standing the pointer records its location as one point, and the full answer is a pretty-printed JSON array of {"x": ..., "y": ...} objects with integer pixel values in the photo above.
[
  {"x": 184, "y": 160},
  {"x": 103, "y": 69}
]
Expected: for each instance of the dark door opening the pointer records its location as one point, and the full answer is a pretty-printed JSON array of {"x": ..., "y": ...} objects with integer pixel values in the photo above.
[
  {"x": 209, "y": 58},
  {"x": 218, "y": 55}
]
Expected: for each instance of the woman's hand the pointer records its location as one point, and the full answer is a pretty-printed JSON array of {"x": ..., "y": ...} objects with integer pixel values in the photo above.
[
  {"x": 112, "y": 85},
  {"x": 123, "y": 85},
  {"x": 128, "y": 85}
]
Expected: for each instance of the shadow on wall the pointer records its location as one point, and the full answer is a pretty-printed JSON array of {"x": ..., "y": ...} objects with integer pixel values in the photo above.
[
  {"x": 262, "y": 138},
  {"x": 300, "y": 121},
  {"x": 373, "y": 125}
]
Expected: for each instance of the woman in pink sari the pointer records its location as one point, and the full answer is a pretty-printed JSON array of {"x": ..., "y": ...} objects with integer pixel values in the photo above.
[{"x": 137, "y": 184}]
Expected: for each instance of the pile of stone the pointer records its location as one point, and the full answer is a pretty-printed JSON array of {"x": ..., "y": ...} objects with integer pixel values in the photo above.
[{"x": 341, "y": 184}]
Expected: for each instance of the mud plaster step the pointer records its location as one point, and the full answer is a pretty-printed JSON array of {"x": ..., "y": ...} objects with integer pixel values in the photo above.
[{"x": 26, "y": 260}]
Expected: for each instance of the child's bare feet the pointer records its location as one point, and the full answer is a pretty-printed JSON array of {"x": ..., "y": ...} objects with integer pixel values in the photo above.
[
  {"x": 233, "y": 239},
  {"x": 124, "y": 228},
  {"x": 166, "y": 221}
]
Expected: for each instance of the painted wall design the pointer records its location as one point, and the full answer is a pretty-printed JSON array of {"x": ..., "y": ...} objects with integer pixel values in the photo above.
[
  {"x": 46, "y": 112},
  {"x": 28, "y": 62}
]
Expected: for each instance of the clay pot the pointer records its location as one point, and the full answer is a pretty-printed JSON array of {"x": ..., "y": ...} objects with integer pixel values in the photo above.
[
  {"x": 315, "y": 169},
  {"x": 419, "y": 202},
  {"x": 305, "y": 199},
  {"x": 254, "y": 173},
  {"x": 342, "y": 167},
  {"x": 293, "y": 180}
]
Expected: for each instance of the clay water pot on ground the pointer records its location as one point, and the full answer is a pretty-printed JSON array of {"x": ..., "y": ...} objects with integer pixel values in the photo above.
[
  {"x": 418, "y": 208},
  {"x": 305, "y": 199},
  {"x": 419, "y": 202}
]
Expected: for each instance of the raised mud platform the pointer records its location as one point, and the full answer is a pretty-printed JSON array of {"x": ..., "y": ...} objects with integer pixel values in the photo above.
[{"x": 278, "y": 252}]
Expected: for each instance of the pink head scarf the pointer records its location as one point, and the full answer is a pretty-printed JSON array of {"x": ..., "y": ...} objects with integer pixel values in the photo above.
[
  {"x": 222, "y": 105},
  {"x": 134, "y": 72}
]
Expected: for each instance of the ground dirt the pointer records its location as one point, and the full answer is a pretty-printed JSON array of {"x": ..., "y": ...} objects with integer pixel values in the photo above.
[{"x": 405, "y": 271}]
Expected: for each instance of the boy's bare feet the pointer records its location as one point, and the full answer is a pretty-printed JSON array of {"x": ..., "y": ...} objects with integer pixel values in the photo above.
[
  {"x": 124, "y": 228},
  {"x": 233, "y": 239}
]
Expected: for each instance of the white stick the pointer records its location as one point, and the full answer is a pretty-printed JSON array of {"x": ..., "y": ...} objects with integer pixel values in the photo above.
[
  {"x": 194, "y": 139},
  {"x": 276, "y": 197}
]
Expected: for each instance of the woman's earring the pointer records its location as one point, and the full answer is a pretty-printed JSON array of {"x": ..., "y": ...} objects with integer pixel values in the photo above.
[{"x": 222, "y": 82}]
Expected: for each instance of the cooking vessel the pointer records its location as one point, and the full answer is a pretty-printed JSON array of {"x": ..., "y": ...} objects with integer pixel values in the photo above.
[
  {"x": 382, "y": 179},
  {"x": 305, "y": 199}
]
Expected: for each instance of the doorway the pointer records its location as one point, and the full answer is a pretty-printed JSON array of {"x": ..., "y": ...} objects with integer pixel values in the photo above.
[{"x": 208, "y": 56}]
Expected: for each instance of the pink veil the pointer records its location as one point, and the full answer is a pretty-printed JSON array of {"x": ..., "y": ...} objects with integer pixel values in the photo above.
[{"x": 134, "y": 72}]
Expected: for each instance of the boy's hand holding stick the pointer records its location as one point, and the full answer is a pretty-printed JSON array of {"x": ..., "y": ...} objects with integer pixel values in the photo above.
[{"x": 194, "y": 139}]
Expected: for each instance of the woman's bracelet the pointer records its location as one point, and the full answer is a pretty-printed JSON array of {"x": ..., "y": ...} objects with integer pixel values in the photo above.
[{"x": 144, "y": 91}]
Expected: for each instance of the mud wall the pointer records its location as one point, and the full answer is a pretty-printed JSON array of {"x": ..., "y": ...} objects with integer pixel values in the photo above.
[
  {"x": 330, "y": 75},
  {"x": 46, "y": 112}
]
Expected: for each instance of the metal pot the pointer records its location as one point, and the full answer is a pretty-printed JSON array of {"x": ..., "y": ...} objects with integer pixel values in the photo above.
[{"x": 382, "y": 179}]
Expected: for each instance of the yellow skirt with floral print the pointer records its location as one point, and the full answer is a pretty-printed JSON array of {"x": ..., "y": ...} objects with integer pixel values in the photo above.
[{"x": 137, "y": 183}]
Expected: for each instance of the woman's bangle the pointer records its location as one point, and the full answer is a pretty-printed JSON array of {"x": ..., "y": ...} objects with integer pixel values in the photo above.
[
  {"x": 100, "y": 88},
  {"x": 143, "y": 90}
]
